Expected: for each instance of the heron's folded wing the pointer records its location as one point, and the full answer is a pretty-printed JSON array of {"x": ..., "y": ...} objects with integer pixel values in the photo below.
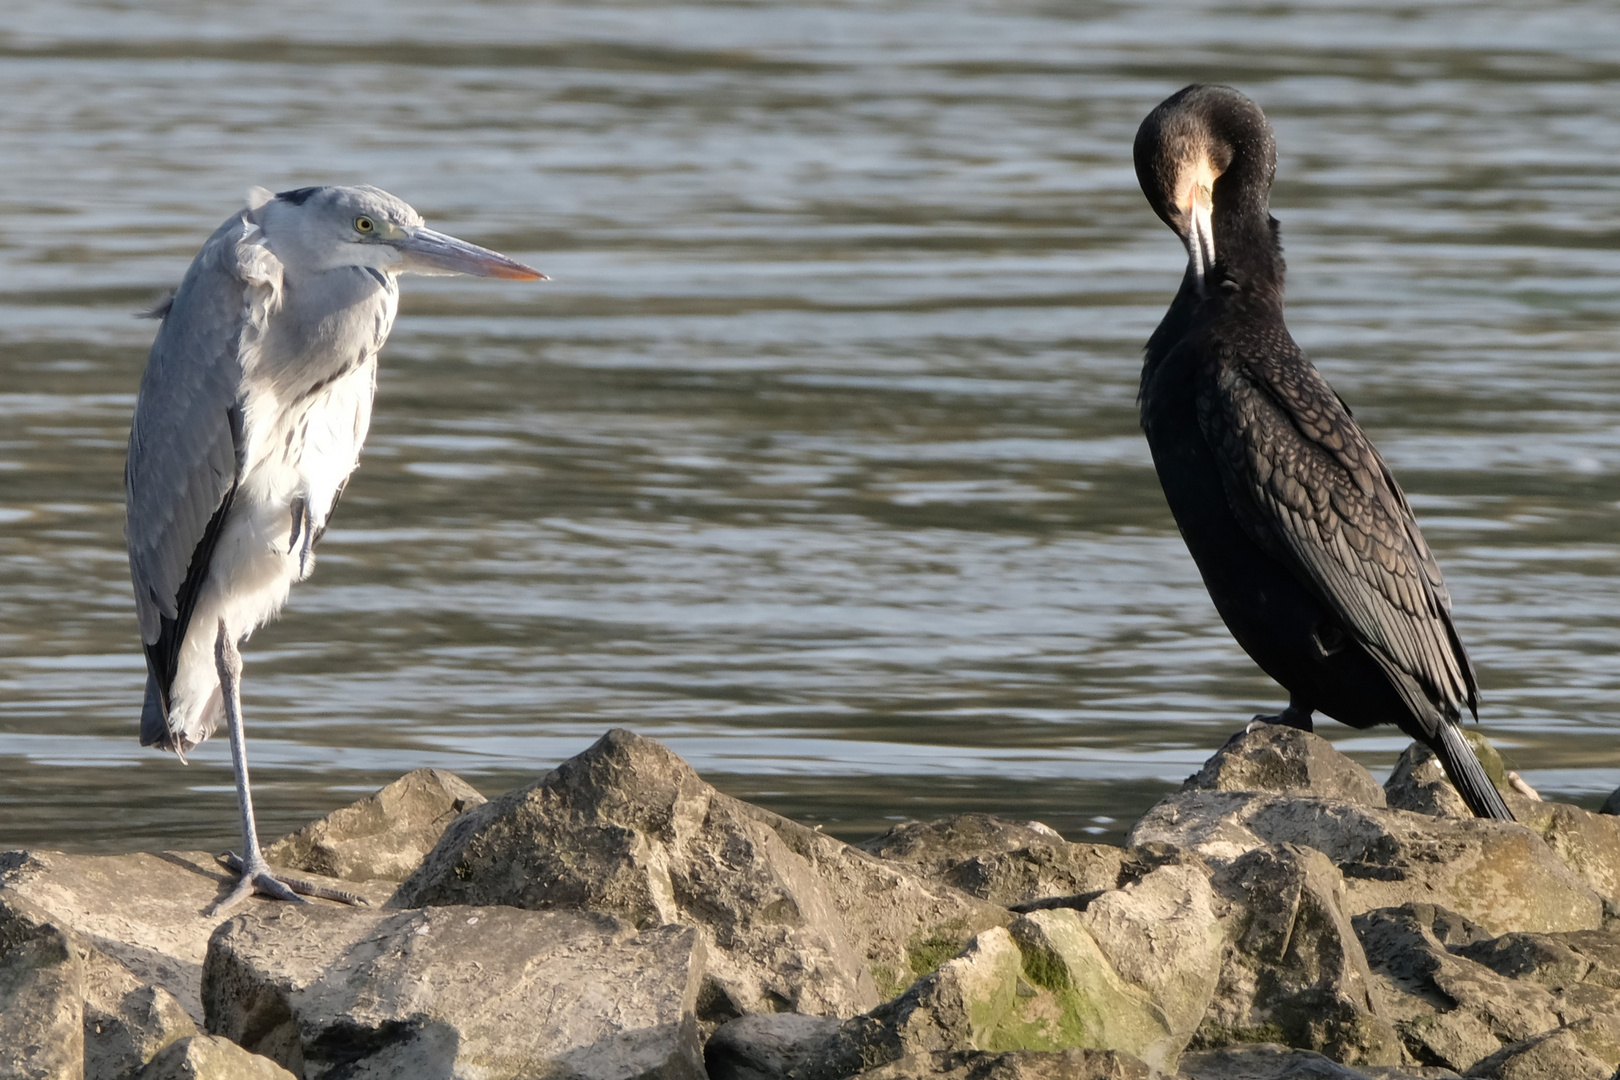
[
  {"x": 182, "y": 466},
  {"x": 1310, "y": 488}
]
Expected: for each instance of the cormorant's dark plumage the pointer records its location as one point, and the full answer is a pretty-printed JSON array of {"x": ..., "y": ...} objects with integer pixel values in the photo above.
[{"x": 1303, "y": 538}]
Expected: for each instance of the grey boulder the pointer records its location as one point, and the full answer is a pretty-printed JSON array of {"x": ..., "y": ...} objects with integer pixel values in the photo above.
[
  {"x": 209, "y": 1057},
  {"x": 500, "y": 993},
  {"x": 1016, "y": 1065},
  {"x": 41, "y": 995},
  {"x": 1293, "y": 967},
  {"x": 1286, "y": 760},
  {"x": 383, "y": 836},
  {"x": 793, "y": 920},
  {"x": 1500, "y": 874},
  {"x": 766, "y": 1046}
]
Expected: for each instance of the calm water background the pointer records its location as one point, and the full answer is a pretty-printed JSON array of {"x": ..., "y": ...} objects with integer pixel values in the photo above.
[{"x": 819, "y": 457}]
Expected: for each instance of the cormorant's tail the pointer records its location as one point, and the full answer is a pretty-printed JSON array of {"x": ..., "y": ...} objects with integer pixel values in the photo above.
[{"x": 1468, "y": 775}]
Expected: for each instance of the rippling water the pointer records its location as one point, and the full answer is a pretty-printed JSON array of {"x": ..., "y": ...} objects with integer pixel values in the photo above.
[{"x": 818, "y": 459}]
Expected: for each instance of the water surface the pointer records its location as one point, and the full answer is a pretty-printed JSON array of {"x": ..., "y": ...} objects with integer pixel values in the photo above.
[{"x": 818, "y": 459}]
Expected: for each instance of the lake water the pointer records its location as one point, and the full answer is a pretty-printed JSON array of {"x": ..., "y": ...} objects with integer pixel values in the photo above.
[{"x": 819, "y": 457}]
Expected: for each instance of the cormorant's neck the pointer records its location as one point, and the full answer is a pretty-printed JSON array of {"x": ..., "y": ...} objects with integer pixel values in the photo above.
[{"x": 1248, "y": 255}]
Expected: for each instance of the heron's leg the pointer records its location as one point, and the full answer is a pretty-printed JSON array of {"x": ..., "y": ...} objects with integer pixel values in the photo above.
[
  {"x": 256, "y": 874},
  {"x": 1297, "y": 715}
]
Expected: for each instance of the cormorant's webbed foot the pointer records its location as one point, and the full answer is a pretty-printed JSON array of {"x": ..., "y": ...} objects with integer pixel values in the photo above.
[
  {"x": 276, "y": 885},
  {"x": 1295, "y": 716}
]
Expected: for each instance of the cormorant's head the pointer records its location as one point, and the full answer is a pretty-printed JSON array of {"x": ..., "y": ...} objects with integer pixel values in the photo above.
[{"x": 1184, "y": 149}]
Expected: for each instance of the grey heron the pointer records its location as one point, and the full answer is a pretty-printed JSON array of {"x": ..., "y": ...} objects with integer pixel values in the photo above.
[{"x": 251, "y": 413}]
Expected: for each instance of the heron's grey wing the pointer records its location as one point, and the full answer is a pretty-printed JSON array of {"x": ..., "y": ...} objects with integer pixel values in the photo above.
[
  {"x": 1311, "y": 488},
  {"x": 182, "y": 467}
]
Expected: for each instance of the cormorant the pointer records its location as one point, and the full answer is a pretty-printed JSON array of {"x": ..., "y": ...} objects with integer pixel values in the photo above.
[{"x": 1304, "y": 540}]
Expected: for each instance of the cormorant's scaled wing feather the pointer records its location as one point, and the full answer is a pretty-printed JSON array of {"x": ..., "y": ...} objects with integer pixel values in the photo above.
[
  {"x": 1312, "y": 490},
  {"x": 185, "y": 443}
]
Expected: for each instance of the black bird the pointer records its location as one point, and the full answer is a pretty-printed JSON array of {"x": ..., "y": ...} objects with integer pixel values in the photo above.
[{"x": 1304, "y": 540}]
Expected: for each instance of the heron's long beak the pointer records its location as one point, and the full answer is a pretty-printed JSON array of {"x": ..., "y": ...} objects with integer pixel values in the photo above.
[{"x": 429, "y": 252}]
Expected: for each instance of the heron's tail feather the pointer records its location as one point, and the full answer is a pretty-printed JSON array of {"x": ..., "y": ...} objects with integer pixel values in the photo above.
[
  {"x": 1468, "y": 776},
  {"x": 155, "y": 722}
]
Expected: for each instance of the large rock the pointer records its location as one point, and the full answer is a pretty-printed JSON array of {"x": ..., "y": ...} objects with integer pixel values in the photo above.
[
  {"x": 1016, "y": 1065},
  {"x": 1015, "y": 864},
  {"x": 1286, "y": 760},
  {"x": 41, "y": 995},
  {"x": 766, "y": 1046},
  {"x": 1585, "y": 1050},
  {"x": 1134, "y": 972},
  {"x": 1448, "y": 1008},
  {"x": 126, "y": 1022},
  {"x": 1270, "y": 1061},
  {"x": 145, "y": 911},
  {"x": 1587, "y": 843},
  {"x": 209, "y": 1057},
  {"x": 1293, "y": 969},
  {"x": 500, "y": 993},
  {"x": 1500, "y": 874},
  {"x": 384, "y": 836},
  {"x": 794, "y": 920}
]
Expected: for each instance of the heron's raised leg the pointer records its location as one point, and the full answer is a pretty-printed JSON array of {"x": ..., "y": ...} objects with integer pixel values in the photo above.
[{"x": 256, "y": 874}]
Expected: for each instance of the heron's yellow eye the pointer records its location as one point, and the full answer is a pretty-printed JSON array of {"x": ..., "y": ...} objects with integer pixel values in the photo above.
[{"x": 364, "y": 225}]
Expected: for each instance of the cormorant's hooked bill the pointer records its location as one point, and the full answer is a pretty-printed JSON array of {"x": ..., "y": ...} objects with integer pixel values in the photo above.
[{"x": 1307, "y": 545}]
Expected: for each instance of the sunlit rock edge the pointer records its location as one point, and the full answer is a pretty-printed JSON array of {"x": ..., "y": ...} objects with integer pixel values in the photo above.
[{"x": 1282, "y": 915}]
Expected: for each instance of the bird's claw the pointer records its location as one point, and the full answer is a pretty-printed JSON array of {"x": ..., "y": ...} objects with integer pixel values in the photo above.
[{"x": 263, "y": 880}]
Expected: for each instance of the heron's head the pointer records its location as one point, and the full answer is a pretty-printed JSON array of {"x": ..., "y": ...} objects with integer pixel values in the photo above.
[
  {"x": 323, "y": 228},
  {"x": 1205, "y": 147}
]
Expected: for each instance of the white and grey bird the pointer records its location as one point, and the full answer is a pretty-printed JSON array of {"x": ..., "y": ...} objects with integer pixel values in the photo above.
[{"x": 252, "y": 410}]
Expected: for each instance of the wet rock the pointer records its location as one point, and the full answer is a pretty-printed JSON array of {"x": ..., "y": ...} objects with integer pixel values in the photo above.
[
  {"x": 1277, "y": 758},
  {"x": 384, "y": 836},
  {"x": 1016, "y": 1065},
  {"x": 766, "y": 1046},
  {"x": 144, "y": 911},
  {"x": 1014, "y": 864},
  {"x": 438, "y": 992},
  {"x": 41, "y": 995},
  {"x": 1500, "y": 874},
  {"x": 1270, "y": 1061},
  {"x": 1134, "y": 972},
  {"x": 209, "y": 1057},
  {"x": 793, "y": 920},
  {"x": 1611, "y": 805},
  {"x": 1448, "y": 1008},
  {"x": 1293, "y": 969},
  {"x": 1586, "y": 1050},
  {"x": 126, "y": 1022}
]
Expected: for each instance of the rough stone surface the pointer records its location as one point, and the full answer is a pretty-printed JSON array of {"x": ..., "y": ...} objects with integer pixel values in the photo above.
[
  {"x": 500, "y": 993},
  {"x": 1450, "y": 1009},
  {"x": 1015, "y": 864},
  {"x": 794, "y": 920},
  {"x": 1585, "y": 1050},
  {"x": 1134, "y": 972},
  {"x": 126, "y": 1022},
  {"x": 1418, "y": 783},
  {"x": 209, "y": 1057},
  {"x": 1270, "y": 1061},
  {"x": 1278, "y": 758},
  {"x": 144, "y": 911},
  {"x": 384, "y": 836},
  {"x": 1293, "y": 968},
  {"x": 1500, "y": 874},
  {"x": 41, "y": 995},
  {"x": 1016, "y": 1065},
  {"x": 766, "y": 1046}
]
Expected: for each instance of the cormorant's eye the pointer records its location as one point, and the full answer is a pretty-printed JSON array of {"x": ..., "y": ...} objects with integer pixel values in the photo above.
[{"x": 364, "y": 224}]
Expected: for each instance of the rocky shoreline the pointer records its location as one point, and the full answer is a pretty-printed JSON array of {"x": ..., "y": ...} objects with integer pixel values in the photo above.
[{"x": 1282, "y": 916}]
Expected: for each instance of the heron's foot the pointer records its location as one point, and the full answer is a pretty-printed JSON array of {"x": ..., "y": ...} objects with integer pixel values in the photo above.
[
  {"x": 1289, "y": 717},
  {"x": 276, "y": 885}
]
